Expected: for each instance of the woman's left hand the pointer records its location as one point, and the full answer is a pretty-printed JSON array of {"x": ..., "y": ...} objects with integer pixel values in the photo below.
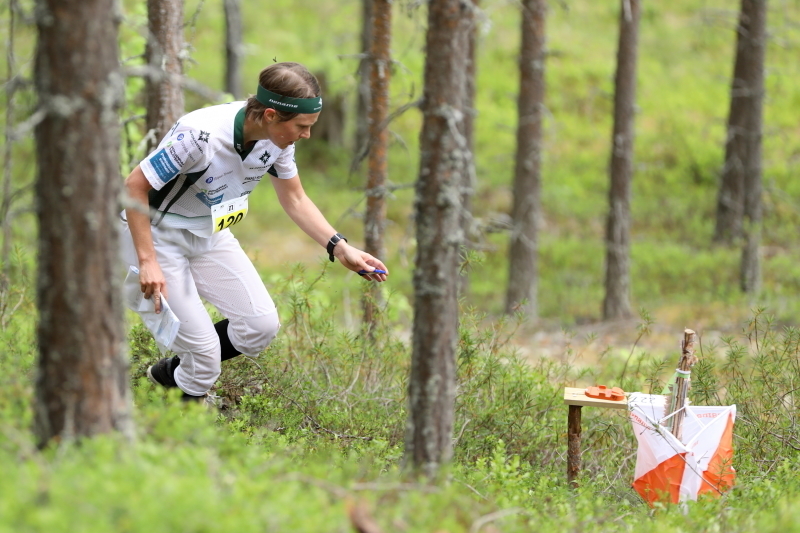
[{"x": 357, "y": 261}]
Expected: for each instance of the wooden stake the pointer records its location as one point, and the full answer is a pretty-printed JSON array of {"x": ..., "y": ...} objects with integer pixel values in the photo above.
[
  {"x": 573, "y": 444},
  {"x": 680, "y": 390}
]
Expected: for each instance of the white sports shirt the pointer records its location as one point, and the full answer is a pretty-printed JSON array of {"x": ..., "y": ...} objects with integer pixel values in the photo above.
[{"x": 202, "y": 162}]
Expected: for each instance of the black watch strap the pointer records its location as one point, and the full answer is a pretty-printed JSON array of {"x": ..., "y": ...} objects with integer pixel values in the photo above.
[{"x": 333, "y": 242}]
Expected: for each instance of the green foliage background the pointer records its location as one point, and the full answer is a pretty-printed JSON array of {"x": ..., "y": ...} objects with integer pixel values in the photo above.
[{"x": 314, "y": 427}]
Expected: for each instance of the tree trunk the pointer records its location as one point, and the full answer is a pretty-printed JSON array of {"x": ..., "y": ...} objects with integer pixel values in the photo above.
[
  {"x": 82, "y": 386},
  {"x": 364, "y": 68},
  {"x": 471, "y": 181},
  {"x": 749, "y": 58},
  {"x": 444, "y": 161},
  {"x": 375, "y": 216},
  {"x": 233, "y": 48},
  {"x": 163, "y": 82},
  {"x": 616, "y": 303},
  {"x": 523, "y": 274},
  {"x": 5, "y": 205},
  {"x": 754, "y": 82}
]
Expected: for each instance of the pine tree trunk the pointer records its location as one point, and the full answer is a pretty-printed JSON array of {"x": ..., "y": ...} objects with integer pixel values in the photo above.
[
  {"x": 82, "y": 386},
  {"x": 375, "y": 216},
  {"x": 523, "y": 273},
  {"x": 443, "y": 169},
  {"x": 471, "y": 183},
  {"x": 163, "y": 90},
  {"x": 754, "y": 83},
  {"x": 364, "y": 69},
  {"x": 616, "y": 303},
  {"x": 731, "y": 195},
  {"x": 10, "y": 114},
  {"x": 233, "y": 48}
]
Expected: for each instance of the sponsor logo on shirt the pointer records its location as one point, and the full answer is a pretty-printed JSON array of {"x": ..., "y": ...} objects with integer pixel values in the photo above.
[
  {"x": 215, "y": 191},
  {"x": 163, "y": 166},
  {"x": 203, "y": 136},
  {"x": 180, "y": 136},
  {"x": 209, "y": 179},
  {"x": 209, "y": 201},
  {"x": 249, "y": 179},
  {"x": 195, "y": 143},
  {"x": 175, "y": 156},
  {"x": 264, "y": 157}
]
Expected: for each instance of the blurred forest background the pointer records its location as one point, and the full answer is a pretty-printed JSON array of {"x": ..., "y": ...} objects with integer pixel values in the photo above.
[{"x": 686, "y": 55}]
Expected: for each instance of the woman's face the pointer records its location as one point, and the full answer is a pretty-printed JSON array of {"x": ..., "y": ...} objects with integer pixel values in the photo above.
[{"x": 283, "y": 134}]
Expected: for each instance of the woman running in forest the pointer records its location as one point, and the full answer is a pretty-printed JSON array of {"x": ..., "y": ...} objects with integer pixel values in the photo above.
[{"x": 196, "y": 183}]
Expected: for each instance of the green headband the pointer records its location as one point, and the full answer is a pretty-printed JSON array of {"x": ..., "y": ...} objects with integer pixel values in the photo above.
[{"x": 288, "y": 104}]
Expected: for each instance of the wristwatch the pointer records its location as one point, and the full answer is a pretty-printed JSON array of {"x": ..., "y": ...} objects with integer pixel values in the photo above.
[{"x": 333, "y": 242}]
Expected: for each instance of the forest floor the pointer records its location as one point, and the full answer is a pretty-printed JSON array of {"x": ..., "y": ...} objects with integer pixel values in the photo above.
[{"x": 591, "y": 344}]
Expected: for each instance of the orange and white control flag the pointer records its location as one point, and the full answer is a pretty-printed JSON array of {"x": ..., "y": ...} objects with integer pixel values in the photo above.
[{"x": 669, "y": 470}]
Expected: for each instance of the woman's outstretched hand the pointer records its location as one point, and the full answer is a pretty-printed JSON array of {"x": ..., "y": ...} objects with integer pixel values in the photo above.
[{"x": 360, "y": 262}]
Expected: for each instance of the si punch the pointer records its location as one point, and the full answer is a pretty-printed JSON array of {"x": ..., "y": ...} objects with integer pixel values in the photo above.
[{"x": 376, "y": 271}]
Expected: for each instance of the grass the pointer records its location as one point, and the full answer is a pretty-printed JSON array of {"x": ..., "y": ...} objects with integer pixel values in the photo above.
[{"x": 310, "y": 439}]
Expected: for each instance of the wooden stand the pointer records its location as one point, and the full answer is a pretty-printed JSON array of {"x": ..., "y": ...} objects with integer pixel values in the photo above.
[{"x": 577, "y": 399}]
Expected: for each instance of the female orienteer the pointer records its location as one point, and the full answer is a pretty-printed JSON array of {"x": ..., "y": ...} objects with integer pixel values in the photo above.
[{"x": 197, "y": 182}]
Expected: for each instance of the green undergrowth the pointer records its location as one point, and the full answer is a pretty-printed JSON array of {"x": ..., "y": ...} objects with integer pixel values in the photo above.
[{"x": 309, "y": 437}]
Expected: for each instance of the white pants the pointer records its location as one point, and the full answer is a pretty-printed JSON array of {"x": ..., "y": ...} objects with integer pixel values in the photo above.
[{"x": 216, "y": 269}]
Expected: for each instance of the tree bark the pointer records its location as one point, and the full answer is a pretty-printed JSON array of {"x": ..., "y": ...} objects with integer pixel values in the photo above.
[
  {"x": 82, "y": 386},
  {"x": 523, "y": 272},
  {"x": 364, "y": 68},
  {"x": 380, "y": 76},
  {"x": 471, "y": 181},
  {"x": 5, "y": 205},
  {"x": 617, "y": 283},
  {"x": 163, "y": 54},
  {"x": 744, "y": 96},
  {"x": 443, "y": 168},
  {"x": 754, "y": 76},
  {"x": 233, "y": 48}
]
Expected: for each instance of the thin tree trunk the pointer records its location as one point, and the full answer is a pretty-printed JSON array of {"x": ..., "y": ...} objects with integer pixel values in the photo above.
[
  {"x": 233, "y": 48},
  {"x": 82, "y": 386},
  {"x": 523, "y": 272},
  {"x": 5, "y": 207},
  {"x": 616, "y": 303},
  {"x": 443, "y": 168},
  {"x": 364, "y": 68},
  {"x": 162, "y": 86},
  {"x": 731, "y": 195},
  {"x": 754, "y": 75},
  {"x": 471, "y": 182},
  {"x": 375, "y": 216}
]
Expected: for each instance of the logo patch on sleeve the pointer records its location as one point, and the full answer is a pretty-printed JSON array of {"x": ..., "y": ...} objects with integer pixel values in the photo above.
[{"x": 163, "y": 166}]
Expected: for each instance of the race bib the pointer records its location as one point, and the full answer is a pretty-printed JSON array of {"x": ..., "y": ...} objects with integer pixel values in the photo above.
[{"x": 226, "y": 214}]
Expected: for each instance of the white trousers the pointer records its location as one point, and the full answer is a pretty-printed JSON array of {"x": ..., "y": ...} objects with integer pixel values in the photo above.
[{"x": 215, "y": 269}]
